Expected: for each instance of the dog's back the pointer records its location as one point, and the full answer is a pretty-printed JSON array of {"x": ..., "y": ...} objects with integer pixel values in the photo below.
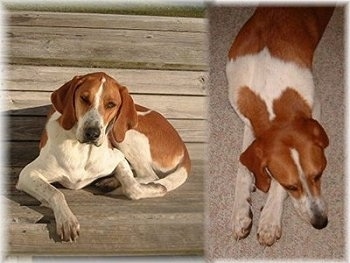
[{"x": 295, "y": 42}]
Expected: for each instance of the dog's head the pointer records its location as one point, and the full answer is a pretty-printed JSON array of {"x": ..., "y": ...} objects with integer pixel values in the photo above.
[
  {"x": 292, "y": 154},
  {"x": 95, "y": 104}
]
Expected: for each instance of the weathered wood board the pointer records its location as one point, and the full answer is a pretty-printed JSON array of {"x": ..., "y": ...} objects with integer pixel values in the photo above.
[
  {"x": 138, "y": 81},
  {"x": 153, "y": 23},
  {"x": 190, "y": 107},
  {"x": 116, "y": 47}
]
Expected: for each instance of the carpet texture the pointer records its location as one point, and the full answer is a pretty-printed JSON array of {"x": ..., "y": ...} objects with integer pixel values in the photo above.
[{"x": 299, "y": 240}]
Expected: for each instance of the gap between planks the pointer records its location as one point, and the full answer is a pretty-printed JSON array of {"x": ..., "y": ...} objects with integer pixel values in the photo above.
[{"x": 112, "y": 21}]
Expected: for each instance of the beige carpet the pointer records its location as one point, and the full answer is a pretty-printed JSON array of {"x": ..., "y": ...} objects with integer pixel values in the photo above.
[{"x": 299, "y": 240}]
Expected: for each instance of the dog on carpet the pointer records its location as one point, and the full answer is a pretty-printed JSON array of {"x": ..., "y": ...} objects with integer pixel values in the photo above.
[{"x": 269, "y": 73}]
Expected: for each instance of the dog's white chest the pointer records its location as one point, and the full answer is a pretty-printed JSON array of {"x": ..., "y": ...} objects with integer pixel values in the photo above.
[
  {"x": 75, "y": 163},
  {"x": 80, "y": 159}
]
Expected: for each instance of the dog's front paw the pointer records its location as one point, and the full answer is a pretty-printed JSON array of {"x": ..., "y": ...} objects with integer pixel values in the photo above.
[
  {"x": 242, "y": 223},
  {"x": 67, "y": 227},
  {"x": 269, "y": 233}
]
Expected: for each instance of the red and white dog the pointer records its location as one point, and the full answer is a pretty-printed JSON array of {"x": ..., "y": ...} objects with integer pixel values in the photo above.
[
  {"x": 272, "y": 90},
  {"x": 93, "y": 131}
]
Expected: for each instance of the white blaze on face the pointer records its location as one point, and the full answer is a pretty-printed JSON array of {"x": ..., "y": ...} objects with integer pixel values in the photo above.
[
  {"x": 93, "y": 118},
  {"x": 98, "y": 96},
  {"x": 301, "y": 204},
  {"x": 308, "y": 206}
]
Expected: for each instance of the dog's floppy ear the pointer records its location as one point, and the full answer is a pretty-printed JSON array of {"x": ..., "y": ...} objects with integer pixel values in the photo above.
[
  {"x": 127, "y": 115},
  {"x": 253, "y": 158},
  {"x": 319, "y": 135},
  {"x": 63, "y": 101}
]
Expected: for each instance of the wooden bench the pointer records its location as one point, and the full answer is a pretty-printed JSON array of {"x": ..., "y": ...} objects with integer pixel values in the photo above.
[{"x": 163, "y": 63}]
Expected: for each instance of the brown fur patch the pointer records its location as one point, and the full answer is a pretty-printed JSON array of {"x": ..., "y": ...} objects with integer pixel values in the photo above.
[
  {"x": 166, "y": 144},
  {"x": 295, "y": 42},
  {"x": 290, "y": 105},
  {"x": 255, "y": 160},
  {"x": 63, "y": 101},
  {"x": 127, "y": 116},
  {"x": 254, "y": 108}
]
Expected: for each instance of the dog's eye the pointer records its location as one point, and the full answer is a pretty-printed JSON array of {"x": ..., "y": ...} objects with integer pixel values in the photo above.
[
  {"x": 291, "y": 188},
  {"x": 110, "y": 105},
  {"x": 85, "y": 99}
]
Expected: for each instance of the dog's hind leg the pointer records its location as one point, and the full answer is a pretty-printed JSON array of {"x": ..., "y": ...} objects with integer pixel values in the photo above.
[
  {"x": 173, "y": 180},
  {"x": 131, "y": 187}
]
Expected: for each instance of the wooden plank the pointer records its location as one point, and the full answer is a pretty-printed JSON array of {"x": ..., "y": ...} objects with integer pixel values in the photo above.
[
  {"x": 25, "y": 112},
  {"x": 82, "y": 20},
  {"x": 186, "y": 107},
  {"x": 21, "y": 153},
  {"x": 37, "y": 78},
  {"x": 85, "y": 47},
  {"x": 29, "y": 128},
  {"x": 119, "y": 234},
  {"x": 108, "y": 235},
  {"x": 113, "y": 214},
  {"x": 19, "y": 213},
  {"x": 121, "y": 239},
  {"x": 173, "y": 202}
]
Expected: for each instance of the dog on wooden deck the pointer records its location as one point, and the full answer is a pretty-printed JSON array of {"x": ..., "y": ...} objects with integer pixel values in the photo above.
[{"x": 94, "y": 130}]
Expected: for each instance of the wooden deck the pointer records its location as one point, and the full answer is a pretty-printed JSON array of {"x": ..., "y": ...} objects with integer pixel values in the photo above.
[{"x": 163, "y": 62}]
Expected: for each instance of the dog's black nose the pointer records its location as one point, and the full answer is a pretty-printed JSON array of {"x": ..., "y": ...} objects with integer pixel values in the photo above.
[
  {"x": 320, "y": 222},
  {"x": 92, "y": 134}
]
